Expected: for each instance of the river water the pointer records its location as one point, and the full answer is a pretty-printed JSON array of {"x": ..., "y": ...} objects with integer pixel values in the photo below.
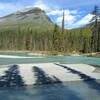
[
  {"x": 61, "y": 59},
  {"x": 66, "y": 91},
  {"x": 79, "y": 90}
]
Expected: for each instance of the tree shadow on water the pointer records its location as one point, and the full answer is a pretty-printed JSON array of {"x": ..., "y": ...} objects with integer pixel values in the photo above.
[
  {"x": 48, "y": 90},
  {"x": 43, "y": 78},
  {"x": 92, "y": 83},
  {"x": 11, "y": 78}
]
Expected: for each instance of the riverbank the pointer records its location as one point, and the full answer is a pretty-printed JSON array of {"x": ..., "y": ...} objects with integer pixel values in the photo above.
[
  {"x": 41, "y": 53},
  {"x": 97, "y": 54},
  {"x": 49, "y": 53}
]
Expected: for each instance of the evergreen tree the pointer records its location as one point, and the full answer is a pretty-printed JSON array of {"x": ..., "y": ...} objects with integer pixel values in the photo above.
[
  {"x": 62, "y": 33},
  {"x": 95, "y": 39}
]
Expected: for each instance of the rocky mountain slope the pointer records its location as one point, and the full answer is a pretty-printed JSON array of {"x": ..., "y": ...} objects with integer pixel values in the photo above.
[{"x": 32, "y": 17}]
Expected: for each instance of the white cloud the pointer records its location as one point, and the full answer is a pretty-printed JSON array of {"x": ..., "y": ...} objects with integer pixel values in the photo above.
[
  {"x": 10, "y": 6},
  {"x": 70, "y": 16},
  {"x": 55, "y": 12},
  {"x": 69, "y": 19},
  {"x": 84, "y": 21},
  {"x": 59, "y": 12},
  {"x": 6, "y": 8},
  {"x": 41, "y": 5}
]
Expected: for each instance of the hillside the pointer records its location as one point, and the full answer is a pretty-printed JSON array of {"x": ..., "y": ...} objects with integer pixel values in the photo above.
[{"x": 31, "y": 17}]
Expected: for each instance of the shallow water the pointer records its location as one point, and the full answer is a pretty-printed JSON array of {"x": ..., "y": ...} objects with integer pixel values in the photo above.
[
  {"x": 80, "y": 90},
  {"x": 61, "y": 59},
  {"x": 64, "y": 91}
]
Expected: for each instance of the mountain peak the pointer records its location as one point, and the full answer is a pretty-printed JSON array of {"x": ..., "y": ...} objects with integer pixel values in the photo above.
[
  {"x": 30, "y": 10},
  {"x": 33, "y": 17}
]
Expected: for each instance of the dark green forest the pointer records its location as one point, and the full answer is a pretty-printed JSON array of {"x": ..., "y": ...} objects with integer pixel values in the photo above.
[{"x": 24, "y": 37}]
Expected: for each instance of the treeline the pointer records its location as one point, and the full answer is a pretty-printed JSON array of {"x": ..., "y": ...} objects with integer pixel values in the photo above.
[
  {"x": 83, "y": 40},
  {"x": 27, "y": 38}
]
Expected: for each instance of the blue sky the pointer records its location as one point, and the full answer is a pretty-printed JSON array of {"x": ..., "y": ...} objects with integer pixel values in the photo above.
[{"x": 77, "y": 12}]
